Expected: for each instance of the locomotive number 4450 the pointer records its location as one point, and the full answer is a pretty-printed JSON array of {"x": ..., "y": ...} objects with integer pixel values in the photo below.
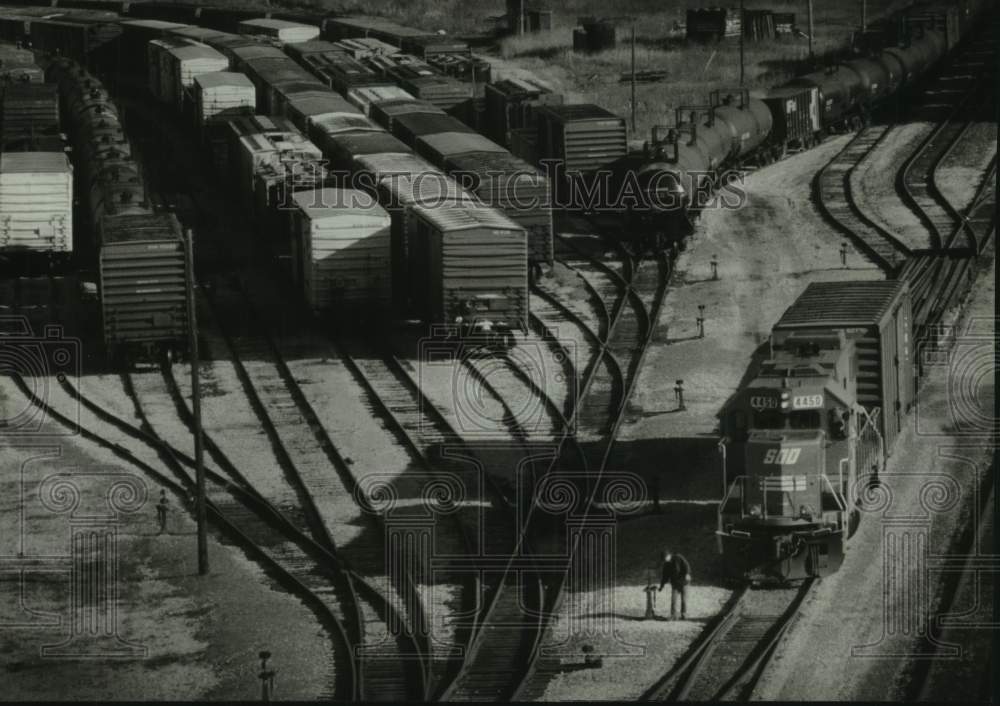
[{"x": 782, "y": 456}]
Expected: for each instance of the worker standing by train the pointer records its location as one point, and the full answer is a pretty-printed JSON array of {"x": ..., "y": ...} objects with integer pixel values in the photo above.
[{"x": 677, "y": 572}]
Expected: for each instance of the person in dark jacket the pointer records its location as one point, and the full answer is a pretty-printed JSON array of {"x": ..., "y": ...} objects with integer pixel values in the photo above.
[{"x": 677, "y": 572}]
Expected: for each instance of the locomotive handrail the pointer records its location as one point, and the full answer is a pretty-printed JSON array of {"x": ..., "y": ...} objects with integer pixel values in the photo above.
[{"x": 842, "y": 504}]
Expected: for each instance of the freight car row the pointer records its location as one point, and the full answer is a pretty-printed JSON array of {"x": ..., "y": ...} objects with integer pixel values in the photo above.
[{"x": 450, "y": 250}]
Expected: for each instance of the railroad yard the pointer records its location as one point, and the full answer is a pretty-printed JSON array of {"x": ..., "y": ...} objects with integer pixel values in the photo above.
[{"x": 343, "y": 361}]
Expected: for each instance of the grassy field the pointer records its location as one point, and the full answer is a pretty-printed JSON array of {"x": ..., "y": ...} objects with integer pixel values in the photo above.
[{"x": 692, "y": 70}]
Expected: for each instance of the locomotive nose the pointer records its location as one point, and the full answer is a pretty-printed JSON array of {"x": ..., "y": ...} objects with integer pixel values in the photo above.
[{"x": 779, "y": 452}]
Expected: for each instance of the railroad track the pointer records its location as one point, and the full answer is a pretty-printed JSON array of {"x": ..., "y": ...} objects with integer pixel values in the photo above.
[
  {"x": 727, "y": 661},
  {"x": 834, "y": 195},
  {"x": 506, "y": 659},
  {"x": 940, "y": 278},
  {"x": 393, "y": 646},
  {"x": 916, "y": 179},
  {"x": 438, "y": 471},
  {"x": 938, "y": 281},
  {"x": 299, "y": 564}
]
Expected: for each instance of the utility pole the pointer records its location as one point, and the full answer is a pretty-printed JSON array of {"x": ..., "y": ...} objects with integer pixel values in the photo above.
[
  {"x": 809, "y": 12},
  {"x": 199, "y": 451},
  {"x": 633, "y": 77},
  {"x": 864, "y": 15},
  {"x": 743, "y": 30},
  {"x": 520, "y": 19}
]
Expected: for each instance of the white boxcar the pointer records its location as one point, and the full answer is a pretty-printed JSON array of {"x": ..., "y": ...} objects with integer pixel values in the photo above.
[
  {"x": 282, "y": 30},
  {"x": 190, "y": 61},
  {"x": 36, "y": 202},
  {"x": 157, "y": 67},
  {"x": 221, "y": 95},
  {"x": 341, "y": 250}
]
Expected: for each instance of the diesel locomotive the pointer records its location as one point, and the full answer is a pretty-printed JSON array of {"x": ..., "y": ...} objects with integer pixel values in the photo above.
[{"x": 805, "y": 438}]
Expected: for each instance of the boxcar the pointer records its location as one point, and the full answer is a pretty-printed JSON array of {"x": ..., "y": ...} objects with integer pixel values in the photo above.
[
  {"x": 341, "y": 250},
  {"x": 143, "y": 272},
  {"x": 876, "y": 318},
  {"x": 469, "y": 255}
]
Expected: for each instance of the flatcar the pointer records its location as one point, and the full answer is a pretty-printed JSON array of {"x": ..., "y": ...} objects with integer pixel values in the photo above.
[{"x": 812, "y": 428}]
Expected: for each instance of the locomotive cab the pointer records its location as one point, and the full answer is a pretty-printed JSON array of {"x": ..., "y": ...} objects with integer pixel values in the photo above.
[{"x": 788, "y": 463}]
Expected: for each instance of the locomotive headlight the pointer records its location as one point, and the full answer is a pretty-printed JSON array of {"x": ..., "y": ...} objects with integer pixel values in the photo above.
[
  {"x": 785, "y": 395},
  {"x": 784, "y": 404},
  {"x": 755, "y": 511}
]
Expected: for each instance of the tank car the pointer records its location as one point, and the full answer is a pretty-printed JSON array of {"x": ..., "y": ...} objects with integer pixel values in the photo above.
[
  {"x": 683, "y": 165},
  {"x": 812, "y": 428}
]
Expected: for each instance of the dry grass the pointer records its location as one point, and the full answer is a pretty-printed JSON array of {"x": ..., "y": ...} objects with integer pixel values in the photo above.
[{"x": 692, "y": 70}]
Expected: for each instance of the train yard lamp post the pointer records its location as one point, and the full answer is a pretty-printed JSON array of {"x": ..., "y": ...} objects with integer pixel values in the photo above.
[
  {"x": 742, "y": 34},
  {"x": 715, "y": 267},
  {"x": 809, "y": 13},
  {"x": 701, "y": 321},
  {"x": 633, "y": 77},
  {"x": 843, "y": 254},
  {"x": 679, "y": 394},
  {"x": 266, "y": 676},
  {"x": 199, "y": 451}
]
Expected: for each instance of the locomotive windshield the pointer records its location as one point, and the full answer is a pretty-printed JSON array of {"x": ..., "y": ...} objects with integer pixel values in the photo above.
[{"x": 800, "y": 419}]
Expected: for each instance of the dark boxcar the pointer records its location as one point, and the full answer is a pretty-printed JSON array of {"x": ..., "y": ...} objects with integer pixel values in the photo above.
[
  {"x": 386, "y": 112},
  {"x": 136, "y": 36},
  {"x": 300, "y": 50},
  {"x": 584, "y": 137},
  {"x": 399, "y": 194},
  {"x": 511, "y": 105},
  {"x": 445, "y": 92},
  {"x": 32, "y": 107},
  {"x": 411, "y": 126},
  {"x": 143, "y": 268},
  {"x": 73, "y": 39},
  {"x": 434, "y": 44},
  {"x": 838, "y": 88},
  {"x": 876, "y": 317},
  {"x": 503, "y": 181},
  {"x": 467, "y": 255},
  {"x": 365, "y": 26},
  {"x": 341, "y": 149},
  {"x": 363, "y": 47},
  {"x": 342, "y": 72},
  {"x": 794, "y": 115},
  {"x": 367, "y": 97},
  {"x": 300, "y": 107},
  {"x": 438, "y": 147}
]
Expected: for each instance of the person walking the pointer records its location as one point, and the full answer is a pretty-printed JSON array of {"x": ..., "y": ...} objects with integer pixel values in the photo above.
[
  {"x": 161, "y": 511},
  {"x": 677, "y": 572}
]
